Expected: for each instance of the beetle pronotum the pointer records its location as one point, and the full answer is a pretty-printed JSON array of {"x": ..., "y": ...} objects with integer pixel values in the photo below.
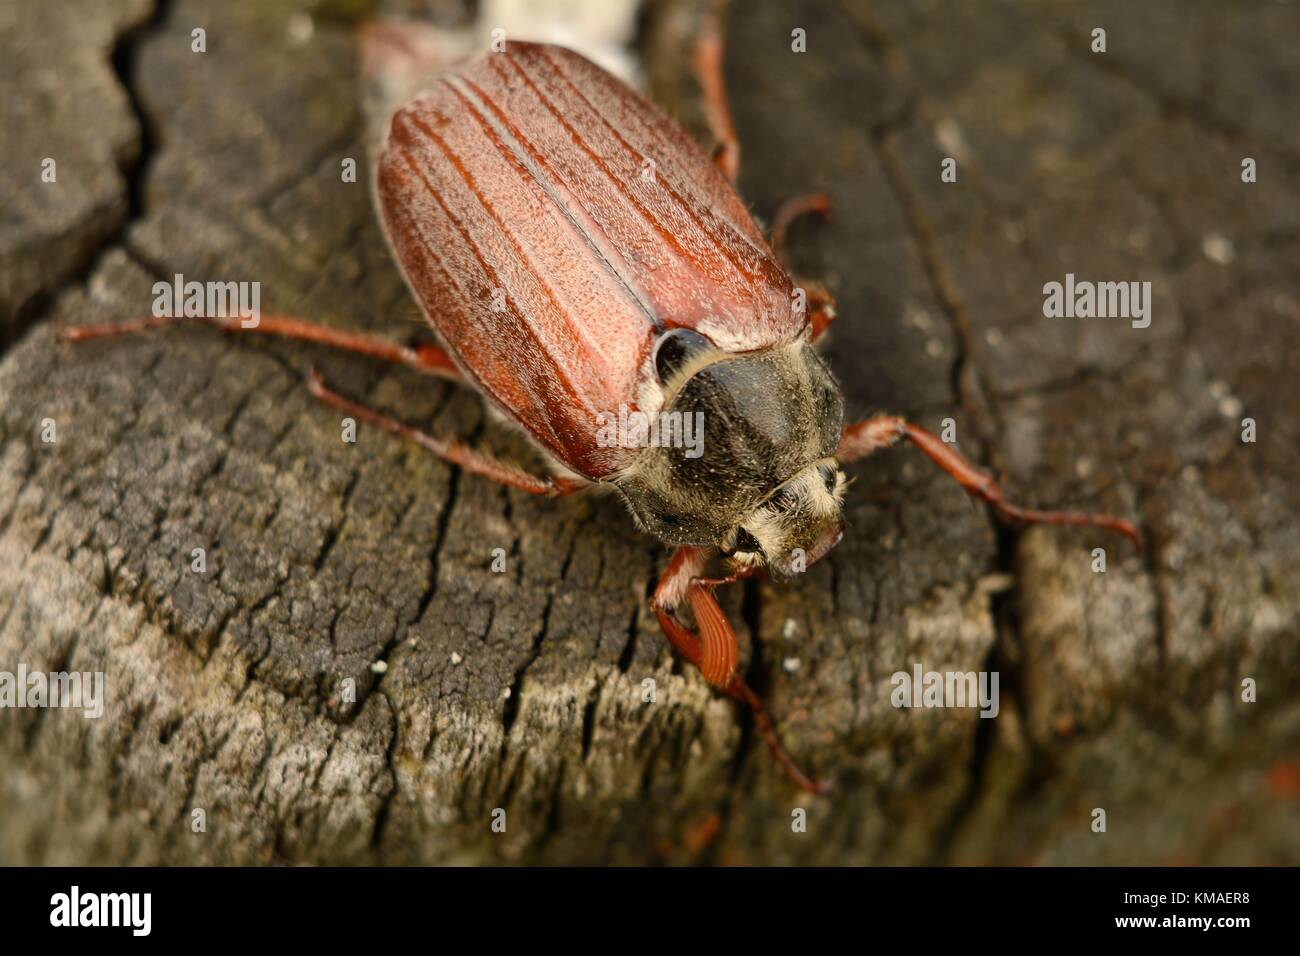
[{"x": 520, "y": 172}]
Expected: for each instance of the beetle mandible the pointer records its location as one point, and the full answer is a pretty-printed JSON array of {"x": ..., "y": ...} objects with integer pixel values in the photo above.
[{"x": 565, "y": 285}]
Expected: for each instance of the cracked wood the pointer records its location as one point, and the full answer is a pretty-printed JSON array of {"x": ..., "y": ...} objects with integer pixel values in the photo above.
[{"x": 523, "y": 690}]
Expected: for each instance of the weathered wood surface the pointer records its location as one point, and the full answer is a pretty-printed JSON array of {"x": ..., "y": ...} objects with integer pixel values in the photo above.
[{"x": 522, "y": 690}]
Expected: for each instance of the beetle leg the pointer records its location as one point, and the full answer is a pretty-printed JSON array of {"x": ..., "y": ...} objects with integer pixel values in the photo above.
[
  {"x": 739, "y": 575},
  {"x": 451, "y": 451},
  {"x": 714, "y": 651},
  {"x": 882, "y": 431},
  {"x": 742, "y": 692},
  {"x": 818, "y": 204},
  {"x": 423, "y": 358},
  {"x": 719, "y": 652},
  {"x": 821, "y": 312},
  {"x": 684, "y": 566},
  {"x": 709, "y": 51},
  {"x": 430, "y": 359},
  {"x": 821, "y": 304}
]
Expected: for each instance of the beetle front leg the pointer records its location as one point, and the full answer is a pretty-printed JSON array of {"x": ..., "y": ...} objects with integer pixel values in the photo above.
[
  {"x": 714, "y": 650},
  {"x": 671, "y": 591},
  {"x": 862, "y": 439},
  {"x": 450, "y": 451}
]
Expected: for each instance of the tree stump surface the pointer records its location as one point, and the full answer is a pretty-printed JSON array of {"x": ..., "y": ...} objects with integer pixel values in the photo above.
[{"x": 523, "y": 690}]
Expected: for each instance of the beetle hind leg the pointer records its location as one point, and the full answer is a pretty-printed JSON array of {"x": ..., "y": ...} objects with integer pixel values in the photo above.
[
  {"x": 709, "y": 70},
  {"x": 450, "y": 451},
  {"x": 709, "y": 51},
  {"x": 714, "y": 650}
]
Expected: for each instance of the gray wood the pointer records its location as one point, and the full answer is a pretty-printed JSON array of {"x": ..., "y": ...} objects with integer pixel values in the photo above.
[{"x": 523, "y": 691}]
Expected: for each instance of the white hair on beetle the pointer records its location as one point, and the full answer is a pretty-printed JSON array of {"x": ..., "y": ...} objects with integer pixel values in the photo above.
[{"x": 772, "y": 526}]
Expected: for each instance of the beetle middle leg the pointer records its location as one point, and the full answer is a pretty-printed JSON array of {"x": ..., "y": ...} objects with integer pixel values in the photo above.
[
  {"x": 714, "y": 650},
  {"x": 430, "y": 359},
  {"x": 862, "y": 439},
  {"x": 451, "y": 451}
]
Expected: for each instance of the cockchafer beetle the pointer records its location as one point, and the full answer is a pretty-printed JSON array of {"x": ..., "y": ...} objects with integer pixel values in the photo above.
[{"x": 577, "y": 254}]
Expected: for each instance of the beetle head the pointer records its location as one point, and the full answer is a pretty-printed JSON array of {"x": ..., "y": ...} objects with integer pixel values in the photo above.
[
  {"x": 795, "y": 526},
  {"x": 763, "y": 484}
]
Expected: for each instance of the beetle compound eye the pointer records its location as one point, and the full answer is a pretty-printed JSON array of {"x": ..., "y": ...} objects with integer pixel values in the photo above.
[
  {"x": 829, "y": 478},
  {"x": 747, "y": 542},
  {"x": 676, "y": 349}
]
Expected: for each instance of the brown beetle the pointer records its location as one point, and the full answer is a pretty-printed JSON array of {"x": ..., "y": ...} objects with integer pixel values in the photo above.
[{"x": 578, "y": 255}]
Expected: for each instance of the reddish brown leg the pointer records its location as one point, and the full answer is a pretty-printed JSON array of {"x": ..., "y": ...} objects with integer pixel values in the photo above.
[
  {"x": 709, "y": 51},
  {"x": 451, "y": 451},
  {"x": 820, "y": 304},
  {"x": 683, "y": 567},
  {"x": 714, "y": 650},
  {"x": 424, "y": 358},
  {"x": 818, "y": 204},
  {"x": 732, "y": 578},
  {"x": 821, "y": 311},
  {"x": 885, "y": 430}
]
